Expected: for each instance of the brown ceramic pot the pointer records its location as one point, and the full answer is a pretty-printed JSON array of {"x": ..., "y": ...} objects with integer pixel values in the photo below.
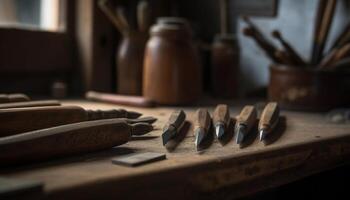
[
  {"x": 308, "y": 89},
  {"x": 172, "y": 73},
  {"x": 225, "y": 66}
]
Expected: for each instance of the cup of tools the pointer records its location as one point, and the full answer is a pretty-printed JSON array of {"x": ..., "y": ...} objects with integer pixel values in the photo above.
[{"x": 308, "y": 89}]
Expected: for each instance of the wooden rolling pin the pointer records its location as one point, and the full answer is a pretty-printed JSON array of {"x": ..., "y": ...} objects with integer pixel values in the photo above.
[
  {"x": 7, "y": 98},
  {"x": 66, "y": 140},
  {"x": 30, "y": 104},
  {"x": 120, "y": 99},
  {"x": 20, "y": 120}
]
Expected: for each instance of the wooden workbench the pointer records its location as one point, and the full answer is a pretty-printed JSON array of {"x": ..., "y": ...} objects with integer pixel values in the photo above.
[{"x": 307, "y": 144}]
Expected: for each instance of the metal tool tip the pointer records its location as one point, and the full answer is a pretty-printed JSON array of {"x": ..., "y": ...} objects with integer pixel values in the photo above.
[
  {"x": 166, "y": 136},
  {"x": 240, "y": 134},
  {"x": 141, "y": 128},
  {"x": 262, "y": 135},
  {"x": 199, "y": 133},
  {"x": 133, "y": 115},
  {"x": 219, "y": 130}
]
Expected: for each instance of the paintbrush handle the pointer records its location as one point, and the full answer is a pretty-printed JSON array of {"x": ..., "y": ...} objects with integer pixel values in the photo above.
[
  {"x": 336, "y": 56},
  {"x": 294, "y": 56},
  {"x": 328, "y": 13},
  {"x": 285, "y": 58},
  {"x": 269, "y": 49},
  {"x": 343, "y": 64},
  {"x": 343, "y": 38}
]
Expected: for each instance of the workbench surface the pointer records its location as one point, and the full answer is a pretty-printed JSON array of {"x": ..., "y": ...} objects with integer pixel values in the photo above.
[{"x": 304, "y": 144}]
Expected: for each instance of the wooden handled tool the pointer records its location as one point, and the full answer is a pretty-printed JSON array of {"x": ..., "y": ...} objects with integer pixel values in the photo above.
[
  {"x": 268, "y": 120},
  {"x": 335, "y": 56},
  {"x": 144, "y": 18},
  {"x": 259, "y": 37},
  {"x": 221, "y": 120},
  {"x": 11, "y": 98},
  {"x": 30, "y": 104},
  {"x": 343, "y": 38},
  {"x": 121, "y": 16},
  {"x": 297, "y": 60},
  {"x": 323, "y": 23},
  {"x": 116, "y": 21},
  {"x": 120, "y": 99},
  {"x": 245, "y": 123},
  {"x": 20, "y": 120},
  {"x": 66, "y": 140},
  {"x": 317, "y": 26},
  {"x": 266, "y": 46},
  {"x": 285, "y": 58},
  {"x": 343, "y": 64},
  {"x": 173, "y": 126},
  {"x": 202, "y": 126}
]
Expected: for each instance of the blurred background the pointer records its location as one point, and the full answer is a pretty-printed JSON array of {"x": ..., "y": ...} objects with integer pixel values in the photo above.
[{"x": 73, "y": 43}]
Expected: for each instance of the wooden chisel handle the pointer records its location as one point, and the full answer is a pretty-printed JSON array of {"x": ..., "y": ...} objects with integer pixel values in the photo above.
[
  {"x": 20, "y": 120},
  {"x": 247, "y": 117},
  {"x": 177, "y": 119},
  {"x": 221, "y": 114},
  {"x": 65, "y": 140},
  {"x": 120, "y": 99},
  {"x": 30, "y": 104},
  {"x": 202, "y": 119},
  {"x": 269, "y": 117},
  {"x": 10, "y": 98}
]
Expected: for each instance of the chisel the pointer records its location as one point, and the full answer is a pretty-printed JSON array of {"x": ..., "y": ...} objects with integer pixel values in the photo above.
[
  {"x": 221, "y": 120},
  {"x": 298, "y": 61},
  {"x": 268, "y": 120},
  {"x": 10, "y": 98},
  {"x": 20, "y": 120},
  {"x": 173, "y": 126},
  {"x": 245, "y": 123},
  {"x": 268, "y": 48},
  {"x": 67, "y": 139},
  {"x": 202, "y": 126}
]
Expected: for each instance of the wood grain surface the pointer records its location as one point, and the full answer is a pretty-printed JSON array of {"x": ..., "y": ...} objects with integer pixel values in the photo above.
[{"x": 306, "y": 144}]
